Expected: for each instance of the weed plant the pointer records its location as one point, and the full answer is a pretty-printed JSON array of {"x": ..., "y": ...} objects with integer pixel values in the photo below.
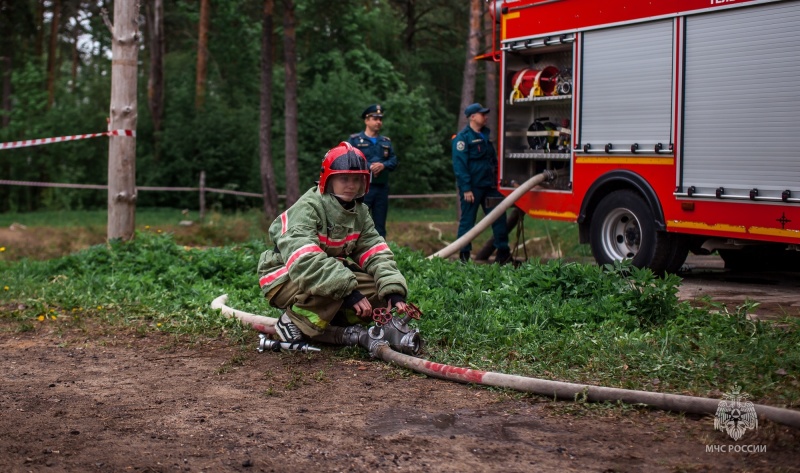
[{"x": 615, "y": 326}]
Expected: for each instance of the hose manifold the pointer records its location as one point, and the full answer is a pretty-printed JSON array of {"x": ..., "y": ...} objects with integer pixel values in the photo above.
[{"x": 398, "y": 335}]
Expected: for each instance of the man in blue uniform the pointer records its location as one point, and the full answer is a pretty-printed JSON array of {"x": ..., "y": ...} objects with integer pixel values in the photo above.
[
  {"x": 475, "y": 166},
  {"x": 382, "y": 160}
]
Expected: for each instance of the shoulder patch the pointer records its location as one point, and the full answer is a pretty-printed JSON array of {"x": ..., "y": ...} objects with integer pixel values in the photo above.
[
  {"x": 460, "y": 146},
  {"x": 387, "y": 138},
  {"x": 354, "y": 135}
]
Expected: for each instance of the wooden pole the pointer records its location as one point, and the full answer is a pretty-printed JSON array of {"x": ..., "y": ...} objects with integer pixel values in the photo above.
[
  {"x": 202, "y": 195},
  {"x": 123, "y": 115}
]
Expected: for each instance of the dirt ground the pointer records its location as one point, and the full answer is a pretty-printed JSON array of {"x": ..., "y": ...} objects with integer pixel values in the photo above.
[
  {"x": 76, "y": 397},
  {"x": 82, "y": 399}
]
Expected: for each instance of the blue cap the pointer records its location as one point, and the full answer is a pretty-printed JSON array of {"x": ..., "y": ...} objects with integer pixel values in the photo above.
[
  {"x": 475, "y": 108},
  {"x": 373, "y": 111}
]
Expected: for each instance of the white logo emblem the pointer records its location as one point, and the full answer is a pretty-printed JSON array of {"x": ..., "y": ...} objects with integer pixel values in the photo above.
[
  {"x": 460, "y": 146},
  {"x": 735, "y": 414}
]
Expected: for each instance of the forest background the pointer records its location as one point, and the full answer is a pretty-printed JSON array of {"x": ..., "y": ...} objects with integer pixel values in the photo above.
[{"x": 200, "y": 87}]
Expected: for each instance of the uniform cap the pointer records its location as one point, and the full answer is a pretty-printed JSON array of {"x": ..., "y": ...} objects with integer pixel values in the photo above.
[
  {"x": 475, "y": 108},
  {"x": 374, "y": 110}
]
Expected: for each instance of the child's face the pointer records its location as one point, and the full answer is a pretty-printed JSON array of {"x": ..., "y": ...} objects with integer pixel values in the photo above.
[{"x": 347, "y": 186}]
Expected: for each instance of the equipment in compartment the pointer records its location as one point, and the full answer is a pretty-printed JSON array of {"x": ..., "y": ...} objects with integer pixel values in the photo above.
[
  {"x": 547, "y": 136},
  {"x": 542, "y": 134},
  {"x": 564, "y": 82},
  {"x": 529, "y": 83},
  {"x": 564, "y": 137}
]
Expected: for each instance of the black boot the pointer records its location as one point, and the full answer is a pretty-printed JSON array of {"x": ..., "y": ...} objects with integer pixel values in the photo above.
[
  {"x": 503, "y": 256},
  {"x": 464, "y": 256}
]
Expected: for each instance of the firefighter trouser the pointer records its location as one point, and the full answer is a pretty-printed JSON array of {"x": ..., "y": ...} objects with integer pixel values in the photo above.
[
  {"x": 377, "y": 199},
  {"x": 312, "y": 313},
  {"x": 469, "y": 212}
]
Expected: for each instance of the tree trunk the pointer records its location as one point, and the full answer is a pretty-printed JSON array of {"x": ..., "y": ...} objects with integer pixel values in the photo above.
[
  {"x": 76, "y": 58},
  {"x": 470, "y": 66},
  {"x": 290, "y": 65},
  {"x": 268, "y": 189},
  {"x": 123, "y": 115},
  {"x": 51, "y": 53},
  {"x": 470, "y": 69},
  {"x": 202, "y": 54},
  {"x": 155, "y": 82},
  {"x": 5, "y": 120},
  {"x": 39, "y": 46},
  {"x": 411, "y": 26},
  {"x": 490, "y": 66}
]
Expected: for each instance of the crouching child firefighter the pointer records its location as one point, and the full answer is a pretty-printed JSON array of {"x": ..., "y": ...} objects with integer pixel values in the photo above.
[{"x": 330, "y": 267}]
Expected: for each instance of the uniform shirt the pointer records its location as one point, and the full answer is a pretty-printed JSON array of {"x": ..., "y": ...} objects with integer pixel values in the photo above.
[
  {"x": 379, "y": 152},
  {"x": 314, "y": 237},
  {"x": 474, "y": 159}
]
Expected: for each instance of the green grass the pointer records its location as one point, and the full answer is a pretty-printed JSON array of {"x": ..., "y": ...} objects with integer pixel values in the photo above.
[{"x": 616, "y": 326}]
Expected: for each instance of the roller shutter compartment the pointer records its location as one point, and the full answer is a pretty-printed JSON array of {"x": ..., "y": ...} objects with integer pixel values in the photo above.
[
  {"x": 627, "y": 86},
  {"x": 742, "y": 101}
]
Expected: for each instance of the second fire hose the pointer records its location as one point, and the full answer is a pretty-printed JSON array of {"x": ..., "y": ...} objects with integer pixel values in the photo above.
[{"x": 494, "y": 214}]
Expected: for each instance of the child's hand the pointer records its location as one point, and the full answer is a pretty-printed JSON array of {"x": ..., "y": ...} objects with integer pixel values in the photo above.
[
  {"x": 363, "y": 308},
  {"x": 401, "y": 307}
]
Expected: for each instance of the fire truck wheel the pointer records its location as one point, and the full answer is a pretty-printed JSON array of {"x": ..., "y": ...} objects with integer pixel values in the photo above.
[
  {"x": 623, "y": 227},
  {"x": 679, "y": 246}
]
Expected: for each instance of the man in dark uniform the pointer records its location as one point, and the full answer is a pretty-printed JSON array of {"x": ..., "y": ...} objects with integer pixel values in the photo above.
[
  {"x": 475, "y": 166},
  {"x": 382, "y": 160}
]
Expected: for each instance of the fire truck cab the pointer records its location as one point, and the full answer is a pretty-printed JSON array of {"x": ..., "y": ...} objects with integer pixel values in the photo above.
[{"x": 673, "y": 125}]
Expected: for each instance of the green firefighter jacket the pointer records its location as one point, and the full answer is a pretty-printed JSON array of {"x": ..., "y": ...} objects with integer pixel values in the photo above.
[{"x": 313, "y": 239}]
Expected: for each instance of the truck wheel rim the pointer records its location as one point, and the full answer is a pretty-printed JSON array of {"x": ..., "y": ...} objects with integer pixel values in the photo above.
[{"x": 621, "y": 237}]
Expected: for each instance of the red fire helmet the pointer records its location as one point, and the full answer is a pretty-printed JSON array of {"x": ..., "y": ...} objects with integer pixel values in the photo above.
[{"x": 343, "y": 159}]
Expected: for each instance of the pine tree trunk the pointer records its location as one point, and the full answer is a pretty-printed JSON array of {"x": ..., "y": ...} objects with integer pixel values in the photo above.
[
  {"x": 470, "y": 70},
  {"x": 202, "y": 54},
  {"x": 51, "y": 53},
  {"x": 268, "y": 189},
  {"x": 290, "y": 65},
  {"x": 123, "y": 115},
  {"x": 155, "y": 82},
  {"x": 76, "y": 58},
  {"x": 490, "y": 66},
  {"x": 39, "y": 46},
  {"x": 7, "y": 64},
  {"x": 470, "y": 66}
]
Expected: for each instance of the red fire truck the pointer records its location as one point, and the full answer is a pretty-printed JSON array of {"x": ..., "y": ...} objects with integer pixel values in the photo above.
[{"x": 671, "y": 124}]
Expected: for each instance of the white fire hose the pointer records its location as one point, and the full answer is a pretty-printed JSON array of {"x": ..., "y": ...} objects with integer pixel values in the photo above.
[
  {"x": 542, "y": 387},
  {"x": 494, "y": 214}
]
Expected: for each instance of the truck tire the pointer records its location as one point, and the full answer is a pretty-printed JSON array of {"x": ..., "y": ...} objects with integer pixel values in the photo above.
[
  {"x": 680, "y": 250},
  {"x": 623, "y": 227}
]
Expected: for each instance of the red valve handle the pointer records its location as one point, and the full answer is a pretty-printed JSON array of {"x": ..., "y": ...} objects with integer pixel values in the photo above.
[
  {"x": 382, "y": 315},
  {"x": 413, "y": 311}
]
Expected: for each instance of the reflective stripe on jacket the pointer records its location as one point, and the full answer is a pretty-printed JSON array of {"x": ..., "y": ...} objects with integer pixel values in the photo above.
[{"x": 314, "y": 237}]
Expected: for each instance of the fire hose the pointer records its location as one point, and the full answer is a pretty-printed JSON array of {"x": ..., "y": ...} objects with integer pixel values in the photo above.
[
  {"x": 450, "y": 249},
  {"x": 383, "y": 341}
]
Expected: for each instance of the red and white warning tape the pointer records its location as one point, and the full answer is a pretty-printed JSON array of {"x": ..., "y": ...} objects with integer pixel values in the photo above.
[{"x": 58, "y": 139}]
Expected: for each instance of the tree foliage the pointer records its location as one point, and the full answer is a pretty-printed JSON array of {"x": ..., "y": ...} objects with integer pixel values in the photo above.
[{"x": 407, "y": 55}]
